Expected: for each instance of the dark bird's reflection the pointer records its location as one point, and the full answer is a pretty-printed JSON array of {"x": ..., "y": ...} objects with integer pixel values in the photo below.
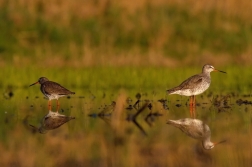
[
  {"x": 196, "y": 129},
  {"x": 52, "y": 120}
]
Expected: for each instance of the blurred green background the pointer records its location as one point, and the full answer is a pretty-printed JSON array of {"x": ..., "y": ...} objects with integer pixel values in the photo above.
[{"x": 124, "y": 33}]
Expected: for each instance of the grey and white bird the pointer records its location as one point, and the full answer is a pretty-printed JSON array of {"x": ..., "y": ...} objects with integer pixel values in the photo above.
[{"x": 195, "y": 85}]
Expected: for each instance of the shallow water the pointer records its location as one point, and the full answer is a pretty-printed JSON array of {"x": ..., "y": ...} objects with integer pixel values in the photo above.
[{"x": 133, "y": 133}]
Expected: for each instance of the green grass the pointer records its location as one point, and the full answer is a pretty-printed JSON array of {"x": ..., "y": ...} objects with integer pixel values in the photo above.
[{"x": 116, "y": 78}]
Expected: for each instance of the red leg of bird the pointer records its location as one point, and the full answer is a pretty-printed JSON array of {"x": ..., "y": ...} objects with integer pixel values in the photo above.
[
  {"x": 194, "y": 100},
  {"x": 190, "y": 104},
  {"x": 49, "y": 105},
  {"x": 194, "y": 106}
]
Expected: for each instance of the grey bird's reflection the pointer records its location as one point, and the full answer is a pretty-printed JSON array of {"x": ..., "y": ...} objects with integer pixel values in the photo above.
[
  {"x": 52, "y": 120},
  {"x": 196, "y": 129}
]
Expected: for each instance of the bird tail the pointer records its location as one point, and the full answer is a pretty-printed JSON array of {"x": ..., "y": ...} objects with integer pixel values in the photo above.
[{"x": 170, "y": 91}]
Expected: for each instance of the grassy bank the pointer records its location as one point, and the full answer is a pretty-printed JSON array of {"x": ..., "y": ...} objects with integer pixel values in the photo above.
[{"x": 128, "y": 78}]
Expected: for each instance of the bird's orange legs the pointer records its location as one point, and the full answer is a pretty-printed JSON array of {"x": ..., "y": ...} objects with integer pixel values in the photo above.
[
  {"x": 192, "y": 105},
  {"x": 49, "y": 105}
]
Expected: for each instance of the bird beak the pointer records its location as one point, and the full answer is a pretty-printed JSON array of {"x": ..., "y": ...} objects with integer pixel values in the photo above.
[
  {"x": 219, "y": 71},
  {"x": 223, "y": 141},
  {"x": 171, "y": 122},
  {"x": 34, "y": 84}
]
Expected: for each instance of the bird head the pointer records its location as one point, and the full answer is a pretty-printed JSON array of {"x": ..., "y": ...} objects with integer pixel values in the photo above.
[{"x": 40, "y": 81}]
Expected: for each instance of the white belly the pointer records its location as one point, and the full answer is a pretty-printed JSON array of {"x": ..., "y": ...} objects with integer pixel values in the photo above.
[
  {"x": 195, "y": 91},
  {"x": 53, "y": 96}
]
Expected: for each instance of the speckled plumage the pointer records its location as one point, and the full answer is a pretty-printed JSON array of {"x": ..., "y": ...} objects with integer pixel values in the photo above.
[
  {"x": 196, "y": 84},
  {"x": 52, "y": 90}
]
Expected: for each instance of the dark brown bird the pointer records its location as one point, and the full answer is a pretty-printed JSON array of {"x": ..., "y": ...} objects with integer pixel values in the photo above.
[{"x": 52, "y": 90}]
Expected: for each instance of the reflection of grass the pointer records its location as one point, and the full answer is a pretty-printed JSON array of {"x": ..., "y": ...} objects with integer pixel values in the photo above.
[{"x": 89, "y": 142}]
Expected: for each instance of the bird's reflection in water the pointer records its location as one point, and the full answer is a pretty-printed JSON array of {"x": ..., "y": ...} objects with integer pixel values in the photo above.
[
  {"x": 52, "y": 120},
  {"x": 196, "y": 129}
]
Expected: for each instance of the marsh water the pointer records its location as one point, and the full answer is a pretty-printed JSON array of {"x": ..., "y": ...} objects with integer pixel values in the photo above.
[{"x": 123, "y": 129}]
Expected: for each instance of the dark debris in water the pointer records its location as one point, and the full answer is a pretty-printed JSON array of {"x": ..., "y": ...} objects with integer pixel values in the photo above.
[
  {"x": 106, "y": 112},
  {"x": 8, "y": 95},
  {"x": 221, "y": 102},
  {"x": 132, "y": 118},
  {"x": 249, "y": 95},
  {"x": 8, "y": 92},
  {"x": 138, "y": 96},
  {"x": 246, "y": 102},
  {"x": 140, "y": 106},
  {"x": 198, "y": 104},
  {"x": 178, "y": 105},
  {"x": 164, "y": 103},
  {"x": 151, "y": 117},
  {"x": 129, "y": 107},
  {"x": 149, "y": 106}
]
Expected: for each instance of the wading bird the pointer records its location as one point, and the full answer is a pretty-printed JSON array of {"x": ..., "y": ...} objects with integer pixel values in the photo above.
[
  {"x": 195, "y": 85},
  {"x": 52, "y": 90}
]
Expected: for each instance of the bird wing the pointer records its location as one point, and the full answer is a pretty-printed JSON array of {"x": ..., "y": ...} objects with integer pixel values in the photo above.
[
  {"x": 52, "y": 87},
  {"x": 191, "y": 82}
]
